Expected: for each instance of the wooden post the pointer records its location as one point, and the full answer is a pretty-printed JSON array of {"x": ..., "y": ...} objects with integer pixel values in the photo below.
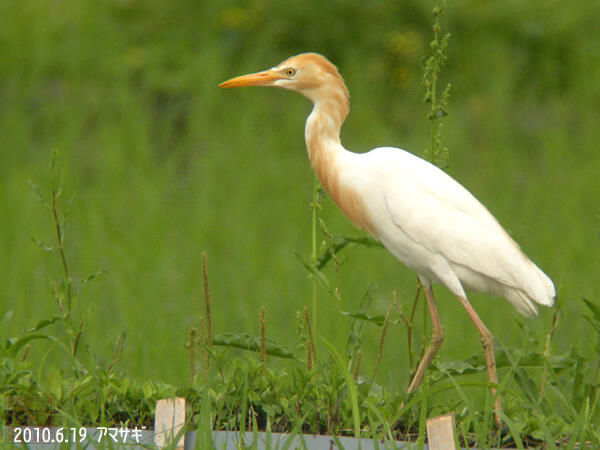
[
  {"x": 169, "y": 419},
  {"x": 440, "y": 432}
]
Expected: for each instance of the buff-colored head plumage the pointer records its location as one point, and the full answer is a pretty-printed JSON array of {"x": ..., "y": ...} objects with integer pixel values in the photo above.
[{"x": 310, "y": 74}]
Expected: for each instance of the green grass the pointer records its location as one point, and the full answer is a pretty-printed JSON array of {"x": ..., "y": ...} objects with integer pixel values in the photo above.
[{"x": 165, "y": 166}]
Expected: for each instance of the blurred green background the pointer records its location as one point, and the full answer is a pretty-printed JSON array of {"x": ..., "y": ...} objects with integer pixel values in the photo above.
[{"x": 164, "y": 165}]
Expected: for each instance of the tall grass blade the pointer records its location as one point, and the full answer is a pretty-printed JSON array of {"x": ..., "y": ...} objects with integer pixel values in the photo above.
[
  {"x": 424, "y": 396},
  {"x": 512, "y": 428},
  {"x": 294, "y": 432},
  {"x": 343, "y": 367}
]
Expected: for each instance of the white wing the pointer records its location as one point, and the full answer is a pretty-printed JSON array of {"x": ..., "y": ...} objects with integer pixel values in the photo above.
[{"x": 436, "y": 227}]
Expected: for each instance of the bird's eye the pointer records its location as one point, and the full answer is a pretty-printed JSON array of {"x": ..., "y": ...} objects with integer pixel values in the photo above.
[{"x": 290, "y": 72}]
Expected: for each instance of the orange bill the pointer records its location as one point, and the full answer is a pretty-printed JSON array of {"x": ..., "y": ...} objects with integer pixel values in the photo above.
[{"x": 264, "y": 78}]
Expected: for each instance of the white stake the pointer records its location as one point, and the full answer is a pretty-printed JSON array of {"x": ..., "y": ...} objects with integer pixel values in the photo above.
[
  {"x": 440, "y": 432},
  {"x": 169, "y": 419}
]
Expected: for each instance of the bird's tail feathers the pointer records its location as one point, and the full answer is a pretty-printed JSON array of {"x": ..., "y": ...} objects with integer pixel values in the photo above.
[
  {"x": 540, "y": 288},
  {"x": 537, "y": 287},
  {"x": 521, "y": 302}
]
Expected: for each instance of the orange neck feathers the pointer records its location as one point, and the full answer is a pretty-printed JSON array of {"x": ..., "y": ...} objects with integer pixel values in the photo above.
[{"x": 322, "y": 133}]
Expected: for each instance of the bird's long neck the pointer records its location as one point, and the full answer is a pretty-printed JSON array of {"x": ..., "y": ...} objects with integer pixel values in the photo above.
[
  {"x": 328, "y": 157},
  {"x": 322, "y": 133}
]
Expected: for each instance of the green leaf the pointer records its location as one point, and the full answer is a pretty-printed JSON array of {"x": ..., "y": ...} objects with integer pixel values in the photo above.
[
  {"x": 45, "y": 247},
  {"x": 349, "y": 382},
  {"x": 458, "y": 367},
  {"x": 37, "y": 193},
  {"x": 378, "y": 319},
  {"x": 338, "y": 241},
  {"x": 43, "y": 324},
  {"x": 92, "y": 276},
  {"x": 13, "y": 345},
  {"x": 595, "y": 319},
  {"x": 476, "y": 363},
  {"x": 252, "y": 343},
  {"x": 593, "y": 307},
  {"x": 319, "y": 276},
  {"x": 148, "y": 390}
]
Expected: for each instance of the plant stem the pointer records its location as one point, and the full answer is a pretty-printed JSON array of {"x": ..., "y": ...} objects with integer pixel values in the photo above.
[
  {"x": 263, "y": 347},
  {"x": 384, "y": 328},
  {"x": 61, "y": 251},
  {"x": 314, "y": 207},
  {"x": 310, "y": 343},
  {"x": 77, "y": 337},
  {"x": 192, "y": 353},
  {"x": 437, "y": 153},
  {"x": 207, "y": 301},
  {"x": 204, "y": 349},
  {"x": 432, "y": 118},
  {"x": 547, "y": 352},
  {"x": 410, "y": 329}
]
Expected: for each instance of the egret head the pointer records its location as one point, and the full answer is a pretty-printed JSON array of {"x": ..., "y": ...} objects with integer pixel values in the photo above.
[{"x": 308, "y": 73}]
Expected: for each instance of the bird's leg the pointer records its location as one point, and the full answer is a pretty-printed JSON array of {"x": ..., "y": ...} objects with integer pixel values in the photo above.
[
  {"x": 437, "y": 336},
  {"x": 487, "y": 341}
]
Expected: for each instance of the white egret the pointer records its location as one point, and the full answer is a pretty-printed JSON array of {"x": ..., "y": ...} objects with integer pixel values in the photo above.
[{"x": 427, "y": 220}]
